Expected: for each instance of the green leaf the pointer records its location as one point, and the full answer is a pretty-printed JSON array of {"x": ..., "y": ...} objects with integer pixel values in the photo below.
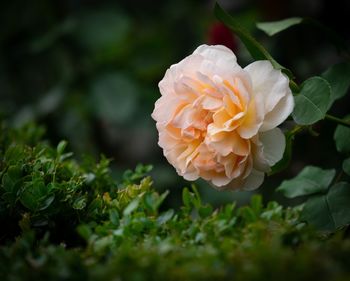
[
  {"x": 311, "y": 104},
  {"x": 338, "y": 76},
  {"x": 346, "y": 166},
  {"x": 342, "y": 137},
  {"x": 331, "y": 211},
  {"x": 339, "y": 199},
  {"x": 114, "y": 217},
  {"x": 46, "y": 202},
  {"x": 205, "y": 211},
  {"x": 33, "y": 195},
  {"x": 80, "y": 203},
  {"x": 316, "y": 213},
  {"x": 309, "y": 181},
  {"x": 272, "y": 28},
  {"x": 257, "y": 51},
  {"x": 131, "y": 207},
  {"x": 187, "y": 197},
  {"x": 166, "y": 216},
  {"x": 61, "y": 147}
]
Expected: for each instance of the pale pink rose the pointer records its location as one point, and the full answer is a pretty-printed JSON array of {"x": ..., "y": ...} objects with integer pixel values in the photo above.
[{"x": 218, "y": 121}]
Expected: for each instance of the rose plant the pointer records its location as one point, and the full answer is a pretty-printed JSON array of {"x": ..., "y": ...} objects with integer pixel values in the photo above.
[{"x": 218, "y": 121}]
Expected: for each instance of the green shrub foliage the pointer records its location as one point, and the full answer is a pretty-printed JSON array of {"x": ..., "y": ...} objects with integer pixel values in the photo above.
[{"x": 64, "y": 220}]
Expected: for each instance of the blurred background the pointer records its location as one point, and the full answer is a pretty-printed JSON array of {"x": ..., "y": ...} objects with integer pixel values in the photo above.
[{"x": 88, "y": 70}]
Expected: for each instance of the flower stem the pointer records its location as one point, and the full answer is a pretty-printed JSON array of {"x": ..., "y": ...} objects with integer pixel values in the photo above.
[{"x": 337, "y": 120}]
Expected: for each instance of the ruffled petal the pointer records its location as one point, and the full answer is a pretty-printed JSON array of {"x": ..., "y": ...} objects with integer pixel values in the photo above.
[
  {"x": 274, "y": 144},
  {"x": 271, "y": 88}
]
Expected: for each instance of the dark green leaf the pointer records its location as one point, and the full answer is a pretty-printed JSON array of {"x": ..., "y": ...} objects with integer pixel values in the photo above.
[
  {"x": 338, "y": 76},
  {"x": 33, "y": 194},
  {"x": 114, "y": 217},
  {"x": 311, "y": 104},
  {"x": 309, "y": 181},
  {"x": 187, "y": 197},
  {"x": 257, "y": 51},
  {"x": 14, "y": 154},
  {"x": 205, "y": 210},
  {"x": 84, "y": 231},
  {"x": 272, "y": 28},
  {"x": 46, "y": 202},
  {"x": 339, "y": 203},
  {"x": 346, "y": 166},
  {"x": 342, "y": 137},
  {"x": 316, "y": 213},
  {"x": 331, "y": 211}
]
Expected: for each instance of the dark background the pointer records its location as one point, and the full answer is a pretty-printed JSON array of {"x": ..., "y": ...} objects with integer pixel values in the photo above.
[{"x": 88, "y": 71}]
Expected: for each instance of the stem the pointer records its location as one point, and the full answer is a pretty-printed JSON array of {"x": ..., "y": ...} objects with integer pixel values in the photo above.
[{"x": 337, "y": 120}]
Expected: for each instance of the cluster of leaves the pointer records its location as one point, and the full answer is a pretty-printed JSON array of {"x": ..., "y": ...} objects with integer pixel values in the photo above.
[
  {"x": 70, "y": 221},
  {"x": 328, "y": 205}
]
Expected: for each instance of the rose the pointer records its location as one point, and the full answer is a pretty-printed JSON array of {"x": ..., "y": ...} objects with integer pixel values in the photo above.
[{"x": 218, "y": 121}]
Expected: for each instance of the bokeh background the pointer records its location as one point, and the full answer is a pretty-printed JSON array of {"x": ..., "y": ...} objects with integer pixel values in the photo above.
[{"x": 88, "y": 70}]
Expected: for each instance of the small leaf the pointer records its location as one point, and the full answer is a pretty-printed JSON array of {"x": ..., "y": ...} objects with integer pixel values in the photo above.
[
  {"x": 61, "y": 147},
  {"x": 205, "y": 211},
  {"x": 114, "y": 217},
  {"x": 187, "y": 197},
  {"x": 272, "y": 28},
  {"x": 256, "y": 203},
  {"x": 131, "y": 207},
  {"x": 84, "y": 231},
  {"x": 257, "y": 51},
  {"x": 310, "y": 180},
  {"x": 342, "y": 137},
  {"x": 79, "y": 203},
  {"x": 164, "y": 217},
  {"x": 338, "y": 76},
  {"x": 346, "y": 166},
  {"x": 311, "y": 104},
  {"x": 46, "y": 203}
]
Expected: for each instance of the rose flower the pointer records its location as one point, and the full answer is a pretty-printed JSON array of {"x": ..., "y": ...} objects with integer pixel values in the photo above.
[{"x": 218, "y": 121}]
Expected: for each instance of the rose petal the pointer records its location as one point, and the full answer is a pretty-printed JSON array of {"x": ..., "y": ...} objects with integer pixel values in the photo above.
[
  {"x": 270, "y": 86},
  {"x": 274, "y": 144},
  {"x": 253, "y": 181}
]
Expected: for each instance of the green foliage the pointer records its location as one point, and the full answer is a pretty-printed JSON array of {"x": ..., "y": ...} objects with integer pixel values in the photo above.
[
  {"x": 311, "y": 104},
  {"x": 346, "y": 166},
  {"x": 329, "y": 211},
  {"x": 257, "y": 51},
  {"x": 70, "y": 221},
  {"x": 309, "y": 181},
  {"x": 342, "y": 137},
  {"x": 338, "y": 78},
  {"x": 272, "y": 28}
]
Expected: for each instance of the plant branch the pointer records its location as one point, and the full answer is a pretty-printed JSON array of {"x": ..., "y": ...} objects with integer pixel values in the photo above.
[{"x": 337, "y": 120}]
